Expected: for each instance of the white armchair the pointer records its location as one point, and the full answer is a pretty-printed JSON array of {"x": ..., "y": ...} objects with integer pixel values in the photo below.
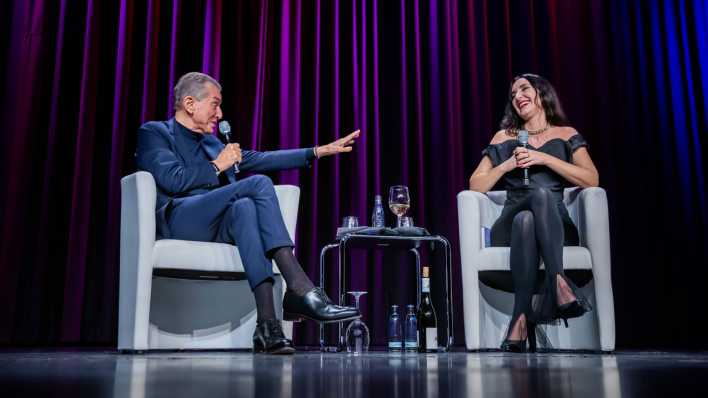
[
  {"x": 487, "y": 308},
  {"x": 212, "y": 307}
]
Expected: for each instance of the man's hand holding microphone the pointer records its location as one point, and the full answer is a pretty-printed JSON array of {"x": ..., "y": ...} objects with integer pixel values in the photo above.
[{"x": 229, "y": 156}]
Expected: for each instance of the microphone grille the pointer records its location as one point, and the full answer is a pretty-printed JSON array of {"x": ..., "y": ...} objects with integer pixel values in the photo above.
[
  {"x": 224, "y": 127},
  {"x": 523, "y": 137}
]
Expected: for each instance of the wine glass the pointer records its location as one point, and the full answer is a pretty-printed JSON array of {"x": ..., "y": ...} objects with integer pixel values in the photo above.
[
  {"x": 399, "y": 201},
  {"x": 357, "y": 332}
]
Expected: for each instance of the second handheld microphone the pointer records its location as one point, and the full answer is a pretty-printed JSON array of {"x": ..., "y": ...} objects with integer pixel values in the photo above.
[{"x": 523, "y": 138}]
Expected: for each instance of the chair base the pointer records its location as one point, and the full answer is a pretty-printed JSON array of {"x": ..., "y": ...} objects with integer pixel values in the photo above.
[{"x": 496, "y": 307}]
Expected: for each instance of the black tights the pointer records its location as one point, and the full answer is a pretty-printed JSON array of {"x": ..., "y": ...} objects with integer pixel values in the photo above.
[{"x": 534, "y": 229}]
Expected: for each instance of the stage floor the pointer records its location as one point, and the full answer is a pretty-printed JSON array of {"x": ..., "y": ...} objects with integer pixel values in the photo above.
[{"x": 91, "y": 373}]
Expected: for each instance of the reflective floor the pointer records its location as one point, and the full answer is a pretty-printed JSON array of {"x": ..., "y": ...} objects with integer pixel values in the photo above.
[{"x": 457, "y": 374}]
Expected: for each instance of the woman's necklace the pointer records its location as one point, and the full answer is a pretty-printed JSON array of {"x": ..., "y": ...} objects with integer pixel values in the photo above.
[{"x": 539, "y": 131}]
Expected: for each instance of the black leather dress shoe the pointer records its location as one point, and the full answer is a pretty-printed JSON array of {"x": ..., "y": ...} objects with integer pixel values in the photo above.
[
  {"x": 317, "y": 306},
  {"x": 269, "y": 338}
]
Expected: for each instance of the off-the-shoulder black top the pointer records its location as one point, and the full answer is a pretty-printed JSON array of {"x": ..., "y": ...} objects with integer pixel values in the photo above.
[{"x": 539, "y": 176}]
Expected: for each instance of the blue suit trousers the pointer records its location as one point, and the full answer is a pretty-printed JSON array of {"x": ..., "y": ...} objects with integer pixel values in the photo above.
[{"x": 245, "y": 213}]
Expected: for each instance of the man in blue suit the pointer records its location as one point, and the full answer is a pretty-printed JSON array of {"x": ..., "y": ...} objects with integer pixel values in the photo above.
[{"x": 199, "y": 197}]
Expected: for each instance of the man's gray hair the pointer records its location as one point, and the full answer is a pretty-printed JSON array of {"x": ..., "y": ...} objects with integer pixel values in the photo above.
[{"x": 193, "y": 85}]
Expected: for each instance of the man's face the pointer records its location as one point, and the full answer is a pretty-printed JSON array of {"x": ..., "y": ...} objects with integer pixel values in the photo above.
[{"x": 205, "y": 113}]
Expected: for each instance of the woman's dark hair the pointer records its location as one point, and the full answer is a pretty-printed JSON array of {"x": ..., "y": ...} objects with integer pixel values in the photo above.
[{"x": 512, "y": 122}]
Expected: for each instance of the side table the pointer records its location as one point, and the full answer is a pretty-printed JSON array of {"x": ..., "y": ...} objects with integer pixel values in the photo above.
[{"x": 412, "y": 243}]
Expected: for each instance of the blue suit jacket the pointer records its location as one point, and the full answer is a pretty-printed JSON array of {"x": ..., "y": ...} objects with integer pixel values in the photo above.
[{"x": 179, "y": 174}]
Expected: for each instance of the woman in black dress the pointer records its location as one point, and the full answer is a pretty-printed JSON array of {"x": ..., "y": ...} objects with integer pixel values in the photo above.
[{"x": 534, "y": 221}]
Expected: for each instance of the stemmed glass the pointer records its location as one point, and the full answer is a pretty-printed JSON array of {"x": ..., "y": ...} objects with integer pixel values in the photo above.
[
  {"x": 357, "y": 332},
  {"x": 399, "y": 201}
]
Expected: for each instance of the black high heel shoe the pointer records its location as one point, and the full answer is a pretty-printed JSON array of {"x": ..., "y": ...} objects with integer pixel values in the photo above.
[
  {"x": 513, "y": 346},
  {"x": 519, "y": 346},
  {"x": 573, "y": 309},
  {"x": 570, "y": 310},
  {"x": 531, "y": 336}
]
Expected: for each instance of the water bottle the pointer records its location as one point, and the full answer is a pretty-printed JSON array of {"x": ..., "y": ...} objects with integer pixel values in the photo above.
[
  {"x": 411, "y": 330},
  {"x": 377, "y": 215},
  {"x": 394, "y": 331}
]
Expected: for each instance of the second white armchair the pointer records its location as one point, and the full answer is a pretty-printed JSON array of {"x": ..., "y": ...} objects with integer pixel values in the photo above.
[{"x": 488, "y": 305}]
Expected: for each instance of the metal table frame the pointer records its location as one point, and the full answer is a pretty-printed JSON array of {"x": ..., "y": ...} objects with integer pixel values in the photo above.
[{"x": 382, "y": 241}]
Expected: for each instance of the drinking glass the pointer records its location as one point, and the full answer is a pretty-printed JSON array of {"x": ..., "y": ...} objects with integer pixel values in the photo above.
[
  {"x": 407, "y": 221},
  {"x": 399, "y": 201},
  {"x": 350, "y": 222},
  {"x": 357, "y": 332}
]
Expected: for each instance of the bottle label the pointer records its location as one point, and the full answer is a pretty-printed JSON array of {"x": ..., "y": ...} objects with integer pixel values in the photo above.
[
  {"x": 377, "y": 218},
  {"x": 395, "y": 344},
  {"x": 426, "y": 285},
  {"x": 431, "y": 338},
  {"x": 411, "y": 342}
]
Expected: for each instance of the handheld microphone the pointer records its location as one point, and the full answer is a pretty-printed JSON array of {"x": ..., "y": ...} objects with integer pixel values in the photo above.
[
  {"x": 225, "y": 130},
  {"x": 523, "y": 138}
]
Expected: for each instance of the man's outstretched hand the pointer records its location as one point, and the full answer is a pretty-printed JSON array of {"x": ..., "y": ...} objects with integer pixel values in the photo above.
[{"x": 341, "y": 145}]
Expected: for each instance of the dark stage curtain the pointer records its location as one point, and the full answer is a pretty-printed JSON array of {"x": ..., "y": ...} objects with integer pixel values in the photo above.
[{"x": 425, "y": 81}]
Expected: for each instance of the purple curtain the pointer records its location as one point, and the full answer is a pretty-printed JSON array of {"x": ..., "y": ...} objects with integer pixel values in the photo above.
[{"x": 426, "y": 82}]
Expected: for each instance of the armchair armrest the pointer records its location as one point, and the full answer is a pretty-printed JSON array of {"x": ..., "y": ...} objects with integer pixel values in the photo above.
[
  {"x": 592, "y": 218},
  {"x": 137, "y": 230},
  {"x": 288, "y": 199},
  {"x": 594, "y": 229},
  {"x": 474, "y": 211}
]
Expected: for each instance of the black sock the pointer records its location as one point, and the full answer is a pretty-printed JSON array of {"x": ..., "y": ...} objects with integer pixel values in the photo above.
[
  {"x": 292, "y": 272},
  {"x": 264, "y": 300}
]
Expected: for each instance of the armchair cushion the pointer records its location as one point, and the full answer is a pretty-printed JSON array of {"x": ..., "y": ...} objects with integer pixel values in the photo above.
[
  {"x": 497, "y": 258},
  {"x": 206, "y": 256}
]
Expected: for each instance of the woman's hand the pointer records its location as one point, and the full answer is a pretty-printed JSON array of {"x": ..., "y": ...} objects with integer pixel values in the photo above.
[
  {"x": 509, "y": 164},
  {"x": 526, "y": 158}
]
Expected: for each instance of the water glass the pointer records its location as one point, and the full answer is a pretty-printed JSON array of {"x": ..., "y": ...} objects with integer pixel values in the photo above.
[
  {"x": 406, "y": 221},
  {"x": 357, "y": 333},
  {"x": 350, "y": 222}
]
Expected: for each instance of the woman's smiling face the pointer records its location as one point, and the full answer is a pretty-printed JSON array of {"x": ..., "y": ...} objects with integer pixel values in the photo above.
[{"x": 524, "y": 99}]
